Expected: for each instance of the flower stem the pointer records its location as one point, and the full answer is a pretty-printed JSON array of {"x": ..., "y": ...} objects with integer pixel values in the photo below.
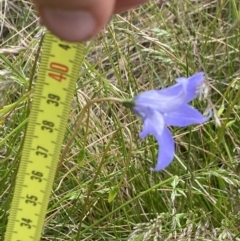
[{"x": 80, "y": 120}]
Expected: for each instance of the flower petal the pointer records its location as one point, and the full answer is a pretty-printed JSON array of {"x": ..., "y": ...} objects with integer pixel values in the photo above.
[
  {"x": 165, "y": 100},
  {"x": 167, "y": 149},
  {"x": 184, "y": 116},
  {"x": 192, "y": 83},
  {"x": 171, "y": 90},
  {"x": 153, "y": 124},
  {"x": 181, "y": 79}
]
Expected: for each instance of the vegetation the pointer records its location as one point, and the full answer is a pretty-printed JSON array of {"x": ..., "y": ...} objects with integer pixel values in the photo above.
[{"x": 104, "y": 189}]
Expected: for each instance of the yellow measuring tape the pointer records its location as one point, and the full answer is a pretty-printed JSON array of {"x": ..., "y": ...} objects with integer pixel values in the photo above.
[{"x": 54, "y": 90}]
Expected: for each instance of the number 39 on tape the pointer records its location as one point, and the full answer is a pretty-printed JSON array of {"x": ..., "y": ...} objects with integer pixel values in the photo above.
[{"x": 53, "y": 93}]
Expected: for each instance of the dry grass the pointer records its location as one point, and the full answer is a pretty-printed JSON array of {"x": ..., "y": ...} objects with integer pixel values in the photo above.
[{"x": 196, "y": 198}]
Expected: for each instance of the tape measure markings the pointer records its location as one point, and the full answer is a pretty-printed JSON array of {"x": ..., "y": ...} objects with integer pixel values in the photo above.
[{"x": 54, "y": 90}]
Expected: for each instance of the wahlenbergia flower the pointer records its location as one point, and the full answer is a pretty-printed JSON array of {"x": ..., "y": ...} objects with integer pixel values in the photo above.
[{"x": 169, "y": 106}]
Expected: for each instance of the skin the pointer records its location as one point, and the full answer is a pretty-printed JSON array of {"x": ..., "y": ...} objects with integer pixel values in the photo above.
[{"x": 80, "y": 20}]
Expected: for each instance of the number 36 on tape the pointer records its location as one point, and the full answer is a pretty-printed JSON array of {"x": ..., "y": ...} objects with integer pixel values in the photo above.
[{"x": 54, "y": 90}]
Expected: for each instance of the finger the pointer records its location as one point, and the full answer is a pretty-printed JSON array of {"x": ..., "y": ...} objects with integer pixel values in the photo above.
[
  {"x": 123, "y": 5},
  {"x": 75, "y": 20}
]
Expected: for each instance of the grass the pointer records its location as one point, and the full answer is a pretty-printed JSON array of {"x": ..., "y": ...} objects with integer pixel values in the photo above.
[{"x": 197, "y": 196}]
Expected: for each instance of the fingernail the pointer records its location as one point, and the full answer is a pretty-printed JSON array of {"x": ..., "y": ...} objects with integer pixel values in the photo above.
[{"x": 73, "y": 26}]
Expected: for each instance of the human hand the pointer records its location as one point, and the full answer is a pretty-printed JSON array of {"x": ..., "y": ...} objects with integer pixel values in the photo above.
[{"x": 80, "y": 20}]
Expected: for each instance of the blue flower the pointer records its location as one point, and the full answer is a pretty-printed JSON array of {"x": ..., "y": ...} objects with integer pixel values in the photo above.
[{"x": 169, "y": 106}]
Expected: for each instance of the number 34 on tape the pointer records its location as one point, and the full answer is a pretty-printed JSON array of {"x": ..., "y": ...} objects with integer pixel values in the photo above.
[{"x": 53, "y": 93}]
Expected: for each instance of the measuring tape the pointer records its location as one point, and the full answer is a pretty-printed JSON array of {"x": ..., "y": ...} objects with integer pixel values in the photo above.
[{"x": 54, "y": 90}]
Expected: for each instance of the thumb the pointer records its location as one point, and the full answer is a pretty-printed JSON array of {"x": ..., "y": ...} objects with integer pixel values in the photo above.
[{"x": 75, "y": 20}]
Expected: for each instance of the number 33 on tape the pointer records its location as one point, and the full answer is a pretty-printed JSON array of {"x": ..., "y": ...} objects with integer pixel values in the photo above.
[{"x": 53, "y": 93}]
